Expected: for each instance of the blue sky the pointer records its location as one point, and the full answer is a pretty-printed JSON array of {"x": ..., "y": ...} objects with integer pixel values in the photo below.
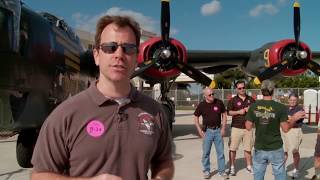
[{"x": 200, "y": 24}]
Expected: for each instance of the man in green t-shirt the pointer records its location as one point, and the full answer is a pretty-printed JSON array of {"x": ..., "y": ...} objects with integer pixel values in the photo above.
[{"x": 268, "y": 116}]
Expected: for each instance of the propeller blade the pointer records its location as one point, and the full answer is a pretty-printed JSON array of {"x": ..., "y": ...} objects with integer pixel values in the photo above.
[
  {"x": 314, "y": 67},
  {"x": 296, "y": 21},
  {"x": 196, "y": 75},
  {"x": 165, "y": 20},
  {"x": 146, "y": 65},
  {"x": 273, "y": 70}
]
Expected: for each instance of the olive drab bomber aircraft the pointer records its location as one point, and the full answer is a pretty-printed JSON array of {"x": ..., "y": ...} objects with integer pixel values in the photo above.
[{"x": 43, "y": 63}]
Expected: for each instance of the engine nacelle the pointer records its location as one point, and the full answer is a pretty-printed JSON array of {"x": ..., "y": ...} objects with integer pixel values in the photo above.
[
  {"x": 164, "y": 68},
  {"x": 274, "y": 53}
]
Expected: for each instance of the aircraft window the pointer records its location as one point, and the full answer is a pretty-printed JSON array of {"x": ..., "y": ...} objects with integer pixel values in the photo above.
[
  {"x": 6, "y": 29},
  {"x": 59, "y": 23},
  {"x": 51, "y": 18}
]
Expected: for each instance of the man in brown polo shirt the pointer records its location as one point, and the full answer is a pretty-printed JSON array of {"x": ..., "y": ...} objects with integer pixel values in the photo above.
[
  {"x": 109, "y": 131},
  {"x": 238, "y": 107}
]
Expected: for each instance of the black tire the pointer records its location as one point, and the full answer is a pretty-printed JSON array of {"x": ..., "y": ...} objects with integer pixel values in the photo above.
[{"x": 25, "y": 145}]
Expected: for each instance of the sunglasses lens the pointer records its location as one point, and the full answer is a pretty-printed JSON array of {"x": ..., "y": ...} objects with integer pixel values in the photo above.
[
  {"x": 111, "y": 47},
  {"x": 129, "y": 48}
]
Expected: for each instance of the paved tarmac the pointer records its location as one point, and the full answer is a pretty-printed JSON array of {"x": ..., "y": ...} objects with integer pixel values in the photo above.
[{"x": 187, "y": 154}]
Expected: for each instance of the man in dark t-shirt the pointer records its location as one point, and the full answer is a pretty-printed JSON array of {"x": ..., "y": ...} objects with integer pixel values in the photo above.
[
  {"x": 268, "y": 116},
  {"x": 214, "y": 120},
  {"x": 293, "y": 138}
]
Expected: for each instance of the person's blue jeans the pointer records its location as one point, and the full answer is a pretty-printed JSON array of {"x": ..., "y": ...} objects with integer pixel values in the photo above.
[
  {"x": 213, "y": 136},
  {"x": 262, "y": 158}
]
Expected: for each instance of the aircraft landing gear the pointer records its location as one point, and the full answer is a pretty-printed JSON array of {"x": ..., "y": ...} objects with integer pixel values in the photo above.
[
  {"x": 25, "y": 145},
  {"x": 167, "y": 104}
]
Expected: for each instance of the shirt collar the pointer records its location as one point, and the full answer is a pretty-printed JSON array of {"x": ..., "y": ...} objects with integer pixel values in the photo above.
[
  {"x": 245, "y": 96},
  {"x": 99, "y": 98}
]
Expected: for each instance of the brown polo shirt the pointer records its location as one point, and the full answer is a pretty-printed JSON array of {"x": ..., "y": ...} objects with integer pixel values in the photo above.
[
  {"x": 235, "y": 104},
  {"x": 210, "y": 112},
  {"x": 90, "y": 134}
]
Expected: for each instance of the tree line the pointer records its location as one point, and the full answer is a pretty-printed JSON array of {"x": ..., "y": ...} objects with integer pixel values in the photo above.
[{"x": 227, "y": 79}]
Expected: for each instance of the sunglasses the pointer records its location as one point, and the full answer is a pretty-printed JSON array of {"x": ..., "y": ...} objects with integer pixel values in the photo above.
[
  {"x": 212, "y": 94},
  {"x": 111, "y": 47},
  {"x": 241, "y": 88}
]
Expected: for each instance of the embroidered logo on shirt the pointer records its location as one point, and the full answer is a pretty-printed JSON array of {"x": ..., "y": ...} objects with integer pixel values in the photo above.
[
  {"x": 239, "y": 103},
  {"x": 215, "y": 108},
  {"x": 146, "y": 124},
  {"x": 95, "y": 128}
]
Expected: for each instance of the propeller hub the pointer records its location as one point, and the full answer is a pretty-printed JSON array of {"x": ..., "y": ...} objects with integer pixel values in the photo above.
[
  {"x": 165, "y": 54},
  {"x": 301, "y": 55}
]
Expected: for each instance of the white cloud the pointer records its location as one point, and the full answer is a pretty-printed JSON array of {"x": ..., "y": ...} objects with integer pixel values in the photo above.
[
  {"x": 88, "y": 23},
  {"x": 282, "y": 2},
  {"x": 263, "y": 8},
  {"x": 211, "y": 8},
  {"x": 85, "y": 22}
]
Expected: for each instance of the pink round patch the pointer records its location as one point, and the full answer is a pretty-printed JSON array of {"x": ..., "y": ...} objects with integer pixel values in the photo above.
[
  {"x": 215, "y": 108},
  {"x": 95, "y": 128},
  {"x": 239, "y": 103}
]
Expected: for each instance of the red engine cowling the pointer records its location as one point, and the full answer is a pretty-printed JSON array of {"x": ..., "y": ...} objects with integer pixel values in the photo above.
[
  {"x": 277, "y": 51},
  {"x": 274, "y": 53},
  {"x": 163, "y": 69}
]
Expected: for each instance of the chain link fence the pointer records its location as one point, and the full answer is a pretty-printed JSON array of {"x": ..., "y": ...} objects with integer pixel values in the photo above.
[{"x": 185, "y": 99}]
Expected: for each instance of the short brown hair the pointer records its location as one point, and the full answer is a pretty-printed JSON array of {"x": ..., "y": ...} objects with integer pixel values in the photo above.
[{"x": 121, "y": 21}]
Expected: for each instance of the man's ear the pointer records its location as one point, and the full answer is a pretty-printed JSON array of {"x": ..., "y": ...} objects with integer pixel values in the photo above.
[{"x": 96, "y": 56}]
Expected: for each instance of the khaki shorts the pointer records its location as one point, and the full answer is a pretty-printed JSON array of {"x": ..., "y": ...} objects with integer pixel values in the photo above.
[
  {"x": 292, "y": 140},
  {"x": 241, "y": 135}
]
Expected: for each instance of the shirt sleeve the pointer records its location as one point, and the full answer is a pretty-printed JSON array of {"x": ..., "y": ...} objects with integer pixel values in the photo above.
[
  {"x": 229, "y": 105},
  {"x": 197, "y": 112},
  {"x": 250, "y": 114},
  {"x": 50, "y": 153}
]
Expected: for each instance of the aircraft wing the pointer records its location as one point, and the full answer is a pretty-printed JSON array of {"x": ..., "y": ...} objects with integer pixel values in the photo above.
[
  {"x": 217, "y": 61},
  {"x": 213, "y": 62}
]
